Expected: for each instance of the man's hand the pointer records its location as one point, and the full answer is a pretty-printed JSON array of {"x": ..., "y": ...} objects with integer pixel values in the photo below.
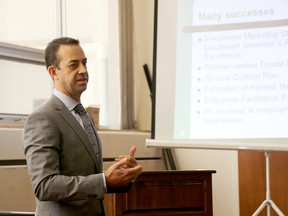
[
  {"x": 132, "y": 151},
  {"x": 123, "y": 171},
  {"x": 131, "y": 161}
]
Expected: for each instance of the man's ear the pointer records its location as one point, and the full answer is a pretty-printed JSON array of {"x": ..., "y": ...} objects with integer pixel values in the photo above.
[{"x": 52, "y": 70}]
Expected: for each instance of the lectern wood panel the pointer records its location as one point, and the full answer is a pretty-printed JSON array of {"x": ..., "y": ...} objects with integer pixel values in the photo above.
[{"x": 166, "y": 193}]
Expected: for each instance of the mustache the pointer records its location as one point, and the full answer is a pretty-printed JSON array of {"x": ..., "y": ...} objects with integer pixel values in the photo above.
[{"x": 82, "y": 79}]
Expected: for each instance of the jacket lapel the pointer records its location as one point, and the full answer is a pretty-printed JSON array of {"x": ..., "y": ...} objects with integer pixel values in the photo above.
[{"x": 67, "y": 116}]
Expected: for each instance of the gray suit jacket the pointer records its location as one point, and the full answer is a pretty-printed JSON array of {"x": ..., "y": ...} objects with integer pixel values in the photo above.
[{"x": 62, "y": 165}]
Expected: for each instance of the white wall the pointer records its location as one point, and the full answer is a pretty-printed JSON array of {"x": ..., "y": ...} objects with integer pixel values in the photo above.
[
  {"x": 225, "y": 180},
  {"x": 143, "y": 54}
]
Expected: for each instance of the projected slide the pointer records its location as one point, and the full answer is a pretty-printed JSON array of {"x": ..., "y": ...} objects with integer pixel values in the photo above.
[{"x": 233, "y": 56}]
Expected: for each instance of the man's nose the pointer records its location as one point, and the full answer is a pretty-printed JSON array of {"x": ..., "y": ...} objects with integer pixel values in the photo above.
[{"x": 82, "y": 68}]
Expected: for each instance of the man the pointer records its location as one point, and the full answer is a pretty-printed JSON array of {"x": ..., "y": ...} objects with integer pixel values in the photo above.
[{"x": 64, "y": 168}]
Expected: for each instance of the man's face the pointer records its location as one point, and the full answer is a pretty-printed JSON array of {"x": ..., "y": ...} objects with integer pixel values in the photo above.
[{"x": 71, "y": 72}]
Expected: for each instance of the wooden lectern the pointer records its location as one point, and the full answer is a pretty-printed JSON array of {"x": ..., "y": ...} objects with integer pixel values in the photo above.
[{"x": 165, "y": 193}]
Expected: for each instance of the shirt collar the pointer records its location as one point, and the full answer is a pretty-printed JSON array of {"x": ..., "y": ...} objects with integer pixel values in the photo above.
[{"x": 69, "y": 102}]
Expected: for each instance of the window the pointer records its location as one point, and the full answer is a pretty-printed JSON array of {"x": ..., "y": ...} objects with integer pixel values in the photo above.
[{"x": 93, "y": 22}]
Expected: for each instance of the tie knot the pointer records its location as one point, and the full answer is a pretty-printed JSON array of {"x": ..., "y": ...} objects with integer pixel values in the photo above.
[{"x": 79, "y": 109}]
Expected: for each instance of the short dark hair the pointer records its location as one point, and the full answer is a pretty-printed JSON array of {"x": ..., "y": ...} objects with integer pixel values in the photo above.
[{"x": 52, "y": 49}]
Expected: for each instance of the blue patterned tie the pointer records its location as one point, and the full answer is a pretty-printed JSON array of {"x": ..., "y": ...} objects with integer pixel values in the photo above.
[{"x": 87, "y": 126}]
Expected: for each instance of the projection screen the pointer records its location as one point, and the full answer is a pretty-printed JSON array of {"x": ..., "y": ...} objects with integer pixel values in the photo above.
[{"x": 221, "y": 74}]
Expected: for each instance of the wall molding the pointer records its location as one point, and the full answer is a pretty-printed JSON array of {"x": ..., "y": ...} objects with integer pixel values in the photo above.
[{"x": 21, "y": 53}]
